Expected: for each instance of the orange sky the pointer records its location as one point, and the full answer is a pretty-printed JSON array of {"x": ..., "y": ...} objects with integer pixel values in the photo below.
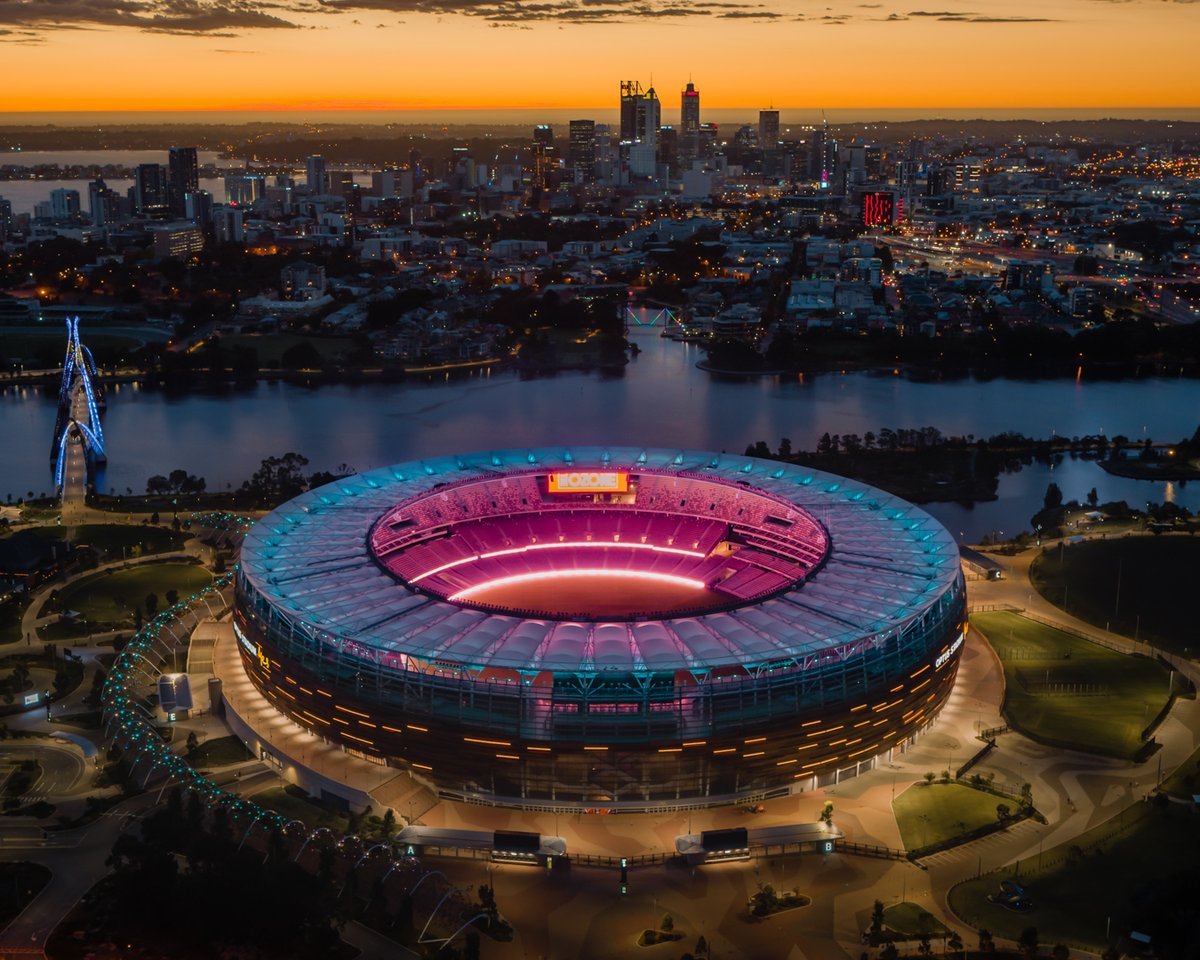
[{"x": 789, "y": 53}]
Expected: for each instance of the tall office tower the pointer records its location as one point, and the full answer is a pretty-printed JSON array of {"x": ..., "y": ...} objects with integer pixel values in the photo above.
[
  {"x": 641, "y": 113},
  {"x": 198, "y": 207},
  {"x": 64, "y": 204},
  {"x": 543, "y": 155},
  {"x": 874, "y": 162},
  {"x": 668, "y": 148},
  {"x": 104, "y": 203},
  {"x": 150, "y": 191},
  {"x": 6, "y": 218},
  {"x": 822, "y": 158},
  {"x": 183, "y": 177},
  {"x": 384, "y": 182},
  {"x": 689, "y": 111},
  {"x": 689, "y": 123},
  {"x": 631, "y": 106},
  {"x": 228, "y": 224},
  {"x": 581, "y": 150},
  {"x": 768, "y": 130},
  {"x": 641, "y": 116},
  {"x": 314, "y": 174}
]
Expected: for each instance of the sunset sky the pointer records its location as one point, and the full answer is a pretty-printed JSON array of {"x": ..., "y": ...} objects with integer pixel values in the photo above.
[{"x": 262, "y": 55}]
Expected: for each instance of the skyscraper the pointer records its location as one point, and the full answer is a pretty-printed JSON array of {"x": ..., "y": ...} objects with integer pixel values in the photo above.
[
  {"x": 689, "y": 111},
  {"x": 183, "y": 177},
  {"x": 314, "y": 169},
  {"x": 150, "y": 191},
  {"x": 64, "y": 203},
  {"x": 631, "y": 105},
  {"x": 543, "y": 154},
  {"x": 768, "y": 129},
  {"x": 104, "y": 204},
  {"x": 582, "y": 149}
]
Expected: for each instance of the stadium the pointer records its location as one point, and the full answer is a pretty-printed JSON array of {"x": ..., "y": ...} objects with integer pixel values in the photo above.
[{"x": 607, "y": 628}]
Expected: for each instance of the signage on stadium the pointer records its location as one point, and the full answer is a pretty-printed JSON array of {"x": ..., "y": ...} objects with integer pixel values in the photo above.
[
  {"x": 584, "y": 482},
  {"x": 947, "y": 654}
]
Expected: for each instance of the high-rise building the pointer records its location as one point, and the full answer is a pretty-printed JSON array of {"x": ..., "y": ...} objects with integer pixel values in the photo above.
[
  {"x": 314, "y": 170},
  {"x": 150, "y": 191},
  {"x": 641, "y": 113},
  {"x": 64, "y": 204},
  {"x": 768, "y": 130},
  {"x": 199, "y": 208},
  {"x": 581, "y": 149},
  {"x": 543, "y": 155},
  {"x": 822, "y": 157},
  {"x": 631, "y": 98},
  {"x": 228, "y": 224},
  {"x": 104, "y": 203},
  {"x": 689, "y": 111},
  {"x": 641, "y": 116},
  {"x": 183, "y": 177},
  {"x": 6, "y": 218}
]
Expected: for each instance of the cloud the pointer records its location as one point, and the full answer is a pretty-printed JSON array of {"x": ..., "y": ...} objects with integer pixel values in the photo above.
[
  {"x": 950, "y": 16},
  {"x": 563, "y": 11},
  {"x": 208, "y": 17}
]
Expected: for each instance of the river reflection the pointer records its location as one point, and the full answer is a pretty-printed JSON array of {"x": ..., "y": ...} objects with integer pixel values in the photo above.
[{"x": 661, "y": 400}]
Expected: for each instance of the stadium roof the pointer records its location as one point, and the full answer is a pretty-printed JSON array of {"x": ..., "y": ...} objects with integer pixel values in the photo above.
[{"x": 888, "y": 562}]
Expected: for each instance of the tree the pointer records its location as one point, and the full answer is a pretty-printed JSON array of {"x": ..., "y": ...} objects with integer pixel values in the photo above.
[
  {"x": 701, "y": 946},
  {"x": 986, "y": 943},
  {"x": 151, "y": 604},
  {"x": 1054, "y": 497},
  {"x": 889, "y": 952},
  {"x": 827, "y": 812},
  {"x": 877, "y": 918},
  {"x": 193, "y": 742},
  {"x": 954, "y": 944},
  {"x": 1028, "y": 942},
  {"x": 172, "y": 597},
  {"x": 1003, "y": 812},
  {"x": 929, "y": 776},
  {"x": 1093, "y": 497},
  {"x": 667, "y": 924},
  {"x": 1060, "y": 951},
  {"x": 924, "y": 948},
  {"x": 388, "y": 825}
]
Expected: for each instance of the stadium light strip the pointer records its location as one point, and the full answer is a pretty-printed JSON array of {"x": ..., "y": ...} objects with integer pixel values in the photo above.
[
  {"x": 558, "y": 545},
  {"x": 599, "y": 572}
]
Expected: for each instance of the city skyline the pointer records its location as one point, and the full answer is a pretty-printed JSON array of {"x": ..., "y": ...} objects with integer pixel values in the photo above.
[{"x": 487, "y": 55}]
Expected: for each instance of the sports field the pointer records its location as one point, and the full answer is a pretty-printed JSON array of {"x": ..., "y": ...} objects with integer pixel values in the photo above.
[
  {"x": 1070, "y": 692},
  {"x": 1137, "y": 586},
  {"x": 1121, "y": 871}
]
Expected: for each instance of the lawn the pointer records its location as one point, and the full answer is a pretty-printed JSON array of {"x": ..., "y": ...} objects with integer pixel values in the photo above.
[
  {"x": 219, "y": 752},
  {"x": 1103, "y": 873},
  {"x": 114, "y": 539},
  {"x": 21, "y": 881},
  {"x": 294, "y": 804},
  {"x": 911, "y": 920},
  {"x": 110, "y": 597},
  {"x": 1069, "y": 692},
  {"x": 933, "y": 813},
  {"x": 1156, "y": 576}
]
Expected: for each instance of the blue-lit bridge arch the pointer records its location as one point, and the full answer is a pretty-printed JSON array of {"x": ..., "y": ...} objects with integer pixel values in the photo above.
[{"x": 80, "y": 398}]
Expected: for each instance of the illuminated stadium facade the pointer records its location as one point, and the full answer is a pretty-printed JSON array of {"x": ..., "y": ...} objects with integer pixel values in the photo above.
[{"x": 602, "y": 627}]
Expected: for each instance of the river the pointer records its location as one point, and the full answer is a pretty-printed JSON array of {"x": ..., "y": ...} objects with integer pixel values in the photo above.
[{"x": 662, "y": 400}]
